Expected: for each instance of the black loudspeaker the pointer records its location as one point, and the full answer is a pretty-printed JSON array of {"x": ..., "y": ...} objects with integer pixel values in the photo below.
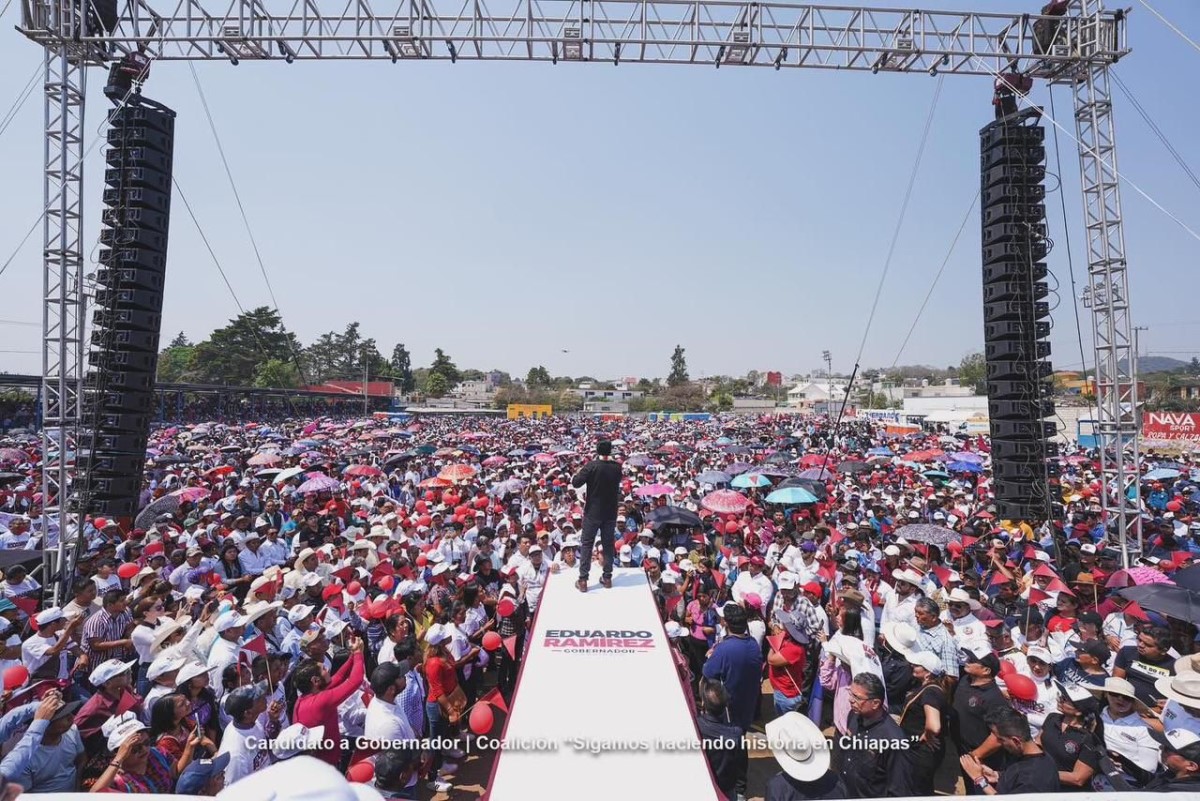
[
  {"x": 1016, "y": 313},
  {"x": 119, "y": 387}
]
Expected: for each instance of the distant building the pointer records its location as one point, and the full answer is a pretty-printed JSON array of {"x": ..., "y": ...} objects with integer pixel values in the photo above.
[
  {"x": 753, "y": 405},
  {"x": 587, "y": 393},
  {"x": 809, "y": 392},
  {"x": 517, "y": 411},
  {"x": 606, "y": 407},
  {"x": 950, "y": 389}
]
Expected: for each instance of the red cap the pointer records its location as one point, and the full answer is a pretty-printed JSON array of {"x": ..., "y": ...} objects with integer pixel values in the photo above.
[{"x": 813, "y": 588}]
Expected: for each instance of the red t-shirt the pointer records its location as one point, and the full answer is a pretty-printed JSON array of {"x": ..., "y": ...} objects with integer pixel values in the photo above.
[
  {"x": 789, "y": 678},
  {"x": 441, "y": 677}
]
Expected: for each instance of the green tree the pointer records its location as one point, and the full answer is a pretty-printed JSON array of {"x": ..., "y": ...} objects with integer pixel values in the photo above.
[
  {"x": 401, "y": 365},
  {"x": 275, "y": 373},
  {"x": 175, "y": 361},
  {"x": 181, "y": 341},
  {"x": 232, "y": 354},
  {"x": 679, "y": 371},
  {"x": 972, "y": 372},
  {"x": 444, "y": 366},
  {"x": 436, "y": 384},
  {"x": 538, "y": 377}
]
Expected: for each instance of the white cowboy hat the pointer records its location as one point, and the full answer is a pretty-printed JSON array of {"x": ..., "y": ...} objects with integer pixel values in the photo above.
[
  {"x": 799, "y": 746},
  {"x": 901, "y": 637},
  {"x": 960, "y": 596},
  {"x": 911, "y": 576},
  {"x": 1118, "y": 686},
  {"x": 1184, "y": 688}
]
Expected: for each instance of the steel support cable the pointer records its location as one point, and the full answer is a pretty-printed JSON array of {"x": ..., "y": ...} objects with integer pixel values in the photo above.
[
  {"x": 1119, "y": 175},
  {"x": 262, "y": 267},
  {"x": 1171, "y": 25},
  {"x": 949, "y": 252},
  {"x": 1062, "y": 198},
  {"x": 1158, "y": 132},
  {"x": 22, "y": 97}
]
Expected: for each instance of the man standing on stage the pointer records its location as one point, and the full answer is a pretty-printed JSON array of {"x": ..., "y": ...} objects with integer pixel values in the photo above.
[{"x": 602, "y": 476}]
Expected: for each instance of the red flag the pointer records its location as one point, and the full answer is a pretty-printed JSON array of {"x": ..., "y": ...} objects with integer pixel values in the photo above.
[
  {"x": 1135, "y": 611},
  {"x": 383, "y": 569},
  {"x": 1030, "y": 551},
  {"x": 344, "y": 575},
  {"x": 719, "y": 578},
  {"x": 998, "y": 578},
  {"x": 968, "y": 541},
  {"x": 776, "y": 642},
  {"x": 496, "y": 699},
  {"x": 510, "y": 645},
  {"x": 27, "y": 605},
  {"x": 942, "y": 573},
  {"x": 1036, "y": 596},
  {"x": 256, "y": 645}
]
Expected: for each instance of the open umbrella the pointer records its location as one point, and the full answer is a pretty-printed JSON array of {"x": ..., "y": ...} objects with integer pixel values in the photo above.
[
  {"x": 1188, "y": 578},
  {"x": 544, "y": 458},
  {"x": 673, "y": 516},
  {"x": 286, "y": 473},
  {"x": 457, "y": 472},
  {"x": 319, "y": 483},
  {"x": 191, "y": 494},
  {"x": 738, "y": 468},
  {"x": 816, "y": 488},
  {"x": 1169, "y": 599},
  {"x": 654, "y": 490},
  {"x": 639, "y": 460},
  {"x": 264, "y": 460},
  {"x": 964, "y": 467},
  {"x": 1136, "y": 577},
  {"x": 815, "y": 474},
  {"x": 713, "y": 477},
  {"x": 8, "y": 478},
  {"x": 725, "y": 502},
  {"x": 495, "y": 461},
  {"x": 851, "y": 467},
  {"x": 364, "y": 470},
  {"x": 928, "y": 533},
  {"x": 508, "y": 487},
  {"x": 13, "y": 456},
  {"x": 791, "y": 495},
  {"x": 437, "y": 482},
  {"x": 747, "y": 480},
  {"x": 1161, "y": 474}
]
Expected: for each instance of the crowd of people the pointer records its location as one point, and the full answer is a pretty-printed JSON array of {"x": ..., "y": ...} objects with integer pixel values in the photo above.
[{"x": 312, "y": 588}]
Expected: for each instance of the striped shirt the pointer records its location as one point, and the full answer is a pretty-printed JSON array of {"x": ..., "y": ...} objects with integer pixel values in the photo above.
[
  {"x": 940, "y": 642},
  {"x": 103, "y": 627}
]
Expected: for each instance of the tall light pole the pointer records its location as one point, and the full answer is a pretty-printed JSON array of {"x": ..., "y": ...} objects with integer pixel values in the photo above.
[
  {"x": 366, "y": 380},
  {"x": 829, "y": 378}
]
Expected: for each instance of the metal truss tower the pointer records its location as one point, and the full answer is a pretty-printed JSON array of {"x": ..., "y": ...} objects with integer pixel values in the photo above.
[{"x": 717, "y": 33}]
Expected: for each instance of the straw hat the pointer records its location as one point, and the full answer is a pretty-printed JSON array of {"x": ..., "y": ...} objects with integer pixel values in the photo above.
[
  {"x": 162, "y": 633},
  {"x": 1184, "y": 688},
  {"x": 901, "y": 637},
  {"x": 1118, "y": 686},
  {"x": 799, "y": 747}
]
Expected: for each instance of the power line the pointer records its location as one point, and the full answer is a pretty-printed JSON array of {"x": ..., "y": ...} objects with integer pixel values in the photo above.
[
  {"x": 1170, "y": 25},
  {"x": 22, "y": 96},
  {"x": 1158, "y": 132},
  {"x": 207, "y": 244},
  {"x": 17, "y": 322},
  {"x": 936, "y": 278},
  {"x": 1121, "y": 176}
]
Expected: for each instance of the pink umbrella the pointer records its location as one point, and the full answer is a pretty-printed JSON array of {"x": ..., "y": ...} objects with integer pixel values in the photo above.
[
  {"x": 263, "y": 460},
  {"x": 191, "y": 494},
  {"x": 320, "y": 483},
  {"x": 544, "y": 458},
  {"x": 457, "y": 472},
  {"x": 362, "y": 470},
  {"x": 13, "y": 455},
  {"x": 654, "y": 490},
  {"x": 1135, "y": 577},
  {"x": 495, "y": 461},
  {"x": 725, "y": 502}
]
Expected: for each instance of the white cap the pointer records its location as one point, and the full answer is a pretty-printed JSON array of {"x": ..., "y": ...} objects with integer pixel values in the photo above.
[
  {"x": 669, "y": 577},
  {"x": 299, "y": 612},
  {"x": 48, "y": 616},
  {"x": 167, "y": 663},
  {"x": 1087, "y": 547},
  {"x": 230, "y": 620},
  {"x": 296, "y": 739},
  {"x": 108, "y": 670},
  {"x": 674, "y": 630},
  {"x": 891, "y": 550},
  {"x": 436, "y": 634},
  {"x": 786, "y": 581},
  {"x": 120, "y": 728},
  {"x": 190, "y": 671}
]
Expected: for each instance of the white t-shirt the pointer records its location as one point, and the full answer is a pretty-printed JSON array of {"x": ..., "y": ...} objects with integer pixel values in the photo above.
[
  {"x": 11, "y": 590},
  {"x": 386, "y": 722},
  {"x": 35, "y": 654},
  {"x": 243, "y": 760},
  {"x": 113, "y": 582},
  {"x": 1130, "y": 737}
]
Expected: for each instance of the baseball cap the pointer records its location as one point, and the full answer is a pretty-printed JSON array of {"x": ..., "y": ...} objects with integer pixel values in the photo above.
[
  {"x": 48, "y": 616},
  {"x": 199, "y": 772},
  {"x": 299, "y": 612},
  {"x": 108, "y": 670},
  {"x": 296, "y": 739},
  {"x": 164, "y": 664},
  {"x": 1039, "y": 653},
  {"x": 241, "y": 699},
  {"x": 120, "y": 728},
  {"x": 1093, "y": 648},
  {"x": 985, "y": 658}
]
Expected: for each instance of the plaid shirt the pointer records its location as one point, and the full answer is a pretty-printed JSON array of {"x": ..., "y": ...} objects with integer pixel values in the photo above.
[
  {"x": 103, "y": 627},
  {"x": 941, "y": 642},
  {"x": 803, "y": 612}
]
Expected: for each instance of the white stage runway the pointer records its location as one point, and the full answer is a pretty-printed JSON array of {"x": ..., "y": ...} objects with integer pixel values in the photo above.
[{"x": 599, "y": 712}]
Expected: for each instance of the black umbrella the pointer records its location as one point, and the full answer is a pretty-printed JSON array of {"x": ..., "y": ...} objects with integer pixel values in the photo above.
[
  {"x": 673, "y": 516},
  {"x": 928, "y": 533},
  {"x": 6, "y": 478},
  {"x": 398, "y": 459},
  {"x": 1171, "y": 600},
  {"x": 1188, "y": 577},
  {"x": 852, "y": 468},
  {"x": 815, "y": 487},
  {"x": 170, "y": 460}
]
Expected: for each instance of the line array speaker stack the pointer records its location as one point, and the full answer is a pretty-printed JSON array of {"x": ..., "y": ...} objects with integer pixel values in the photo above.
[
  {"x": 1016, "y": 313},
  {"x": 127, "y": 316}
]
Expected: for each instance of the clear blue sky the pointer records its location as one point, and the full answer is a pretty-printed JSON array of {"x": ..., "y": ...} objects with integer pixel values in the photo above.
[{"x": 505, "y": 212}]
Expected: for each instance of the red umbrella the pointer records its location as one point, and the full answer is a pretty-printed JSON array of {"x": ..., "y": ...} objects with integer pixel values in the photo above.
[
  {"x": 817, "y": 460},
  {"x": 437, "y": 482},
  {"x": 13, "y": 456},
  {"x": 191, "y": 494},
  {"x": 365, "y": 470},
  {"x": 457, "y": 472},
  {"x": 495, "y": 461},
  {"x": 725, "y": 502},
  {"x": 222, "y": 470}
]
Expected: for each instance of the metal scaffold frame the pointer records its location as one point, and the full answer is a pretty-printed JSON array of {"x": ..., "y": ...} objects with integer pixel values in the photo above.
[{"x": 1079, "y": 50}]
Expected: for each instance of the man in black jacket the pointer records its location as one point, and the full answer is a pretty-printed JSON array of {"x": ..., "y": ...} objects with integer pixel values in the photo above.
[
  {"x": 602, "y": 477},
  {"x": 869, "y": 753},
  {"x": 1181, "y": 763},
  {"x": 724, "y": 747}
]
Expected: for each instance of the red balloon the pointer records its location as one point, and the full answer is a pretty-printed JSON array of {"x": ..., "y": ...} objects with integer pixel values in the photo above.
[
  {"x": 422, "y": 561},
  {"x": 361, "y": 772},
  {"x": 460, "y": 511},
  {"x": 425, "y": 520},
  {"x": 1007, "y": 667},
  {"x": 732, "y": 527},
  {"x": 421, "y": 507},
  {"x": 353, "y": 588},
  {"x": 481, "y": 719},
  {"x": 1020, "y": 686},
  {"x": 386, "y": 583},
  {"x": 492, "y": 641},
  {"x": 128, "y": 570},
  {"x": 506, "y": 607},
  {"x": 481, "y": 503},
  {"x": 15, "y": 677}
]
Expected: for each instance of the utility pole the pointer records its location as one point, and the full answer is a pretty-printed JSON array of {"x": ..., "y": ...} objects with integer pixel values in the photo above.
[{"x": 366, "y": 380}]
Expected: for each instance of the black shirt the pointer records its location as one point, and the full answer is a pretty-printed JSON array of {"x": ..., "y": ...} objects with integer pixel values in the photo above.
[
  {"x": 971, "y": 702},
  {"x": 868, "y": 764},
  {"x": 603, "y": 480},
  {"x": 1167, "y": 783},
  {"x": 1070, "y": 746},
  {"x": 1033, "y": 773},
  {"x": 912, "y": 719},
  {"x": 1142, "y": 672},
  {"x": 782, "y": 787},
  {"x": 727, "y": 763},
  {"x": 897, "y": 676}
]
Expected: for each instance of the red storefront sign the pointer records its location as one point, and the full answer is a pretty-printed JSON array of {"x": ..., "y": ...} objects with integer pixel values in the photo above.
[{"x": 1179, "y": 426}]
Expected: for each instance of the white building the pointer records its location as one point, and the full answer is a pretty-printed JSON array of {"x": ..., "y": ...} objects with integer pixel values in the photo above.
[{"x": 816, "y": 390}]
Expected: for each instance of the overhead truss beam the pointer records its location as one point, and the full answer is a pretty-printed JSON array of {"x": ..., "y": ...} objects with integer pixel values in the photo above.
[{"x": 770, "y": 34}]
